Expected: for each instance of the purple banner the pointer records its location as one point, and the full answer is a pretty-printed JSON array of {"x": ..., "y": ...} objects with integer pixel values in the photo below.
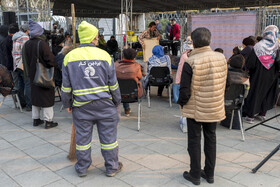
[{"x": 228, "y": 30}]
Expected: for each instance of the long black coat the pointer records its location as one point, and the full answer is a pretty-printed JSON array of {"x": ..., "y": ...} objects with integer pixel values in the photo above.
[
  {"x": 40, "y": 97},
  {"x": 263, "y": 86}
]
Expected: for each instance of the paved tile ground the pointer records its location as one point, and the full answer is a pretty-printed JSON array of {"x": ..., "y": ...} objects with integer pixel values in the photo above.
[{"x": 155, "y": 156}]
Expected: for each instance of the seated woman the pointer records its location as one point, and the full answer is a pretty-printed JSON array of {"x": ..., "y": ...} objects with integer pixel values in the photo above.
[
  {"x": 128, "y": 68},
  {"x": 236, "y": 76},
  {"x": 157, "y": 60}
]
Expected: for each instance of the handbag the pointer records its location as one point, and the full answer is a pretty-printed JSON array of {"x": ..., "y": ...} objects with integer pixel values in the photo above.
[{"x": 43, "y": 76}]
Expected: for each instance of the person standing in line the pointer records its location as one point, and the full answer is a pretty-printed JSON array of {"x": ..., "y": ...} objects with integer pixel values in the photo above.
[
  {"x": 23, "y": 83},
  {"x": 175, "y": 36},
  {"x": 41, "y": 98},
  {"x": 90, "y": 91},
  {"x": 201, "y": 98}
]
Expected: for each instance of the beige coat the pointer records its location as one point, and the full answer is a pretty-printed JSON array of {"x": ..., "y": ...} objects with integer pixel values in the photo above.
[{"x": 206, "y": 103}]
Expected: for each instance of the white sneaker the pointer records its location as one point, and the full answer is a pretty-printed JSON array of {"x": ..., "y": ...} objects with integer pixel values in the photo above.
[
  {"x": 260, "y": 118},
  {"x": 248, "y": 120}
]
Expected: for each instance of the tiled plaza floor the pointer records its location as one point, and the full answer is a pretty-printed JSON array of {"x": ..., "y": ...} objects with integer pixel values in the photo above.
[{"x": 155, "y": 156}]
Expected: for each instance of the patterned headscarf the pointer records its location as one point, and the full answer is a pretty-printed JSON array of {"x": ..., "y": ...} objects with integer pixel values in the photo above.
[{"x": 266, "y": 49}]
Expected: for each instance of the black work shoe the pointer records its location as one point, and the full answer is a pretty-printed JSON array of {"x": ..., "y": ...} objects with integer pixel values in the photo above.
[
  {"x": 210, "y": 180},
  {"x": 37, "y": 122},
  {"x": 188, "y": 177},
  {"x": 114, "y": 173},
  {"x": 50, "y": 124}
]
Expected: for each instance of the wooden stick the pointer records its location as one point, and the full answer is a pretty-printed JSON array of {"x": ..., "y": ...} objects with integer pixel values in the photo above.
[
  {"x": 72, "y": 156},
  {"x": 73, "y": 24}
]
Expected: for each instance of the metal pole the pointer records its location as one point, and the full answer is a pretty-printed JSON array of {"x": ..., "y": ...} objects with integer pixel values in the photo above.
[
  {"x": 265, "y": 159},
  {"x": 131, "y": 6},
  {"x": 27, "y": 8},
  {"x": 18, "y": 13},
  {"x": 126, "y": 22},
  {"x": 121, "y": 27}
]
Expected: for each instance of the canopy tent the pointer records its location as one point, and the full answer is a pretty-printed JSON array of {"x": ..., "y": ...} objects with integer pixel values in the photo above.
[{"x": 111, "y": 8}]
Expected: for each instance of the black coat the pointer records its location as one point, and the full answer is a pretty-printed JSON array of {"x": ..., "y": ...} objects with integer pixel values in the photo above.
[
  {"x": 41, "y": 97},
  {"x": 112, "y": 46},
  {"x": 263, "y": 86},
  {"x": 3, "y": 48},
  {"x": 247, "y": 51},
  {"x": 9, "y": 46}
]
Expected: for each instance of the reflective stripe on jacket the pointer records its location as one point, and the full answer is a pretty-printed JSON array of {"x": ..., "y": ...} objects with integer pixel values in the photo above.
[{"x": 88, "y": 74}]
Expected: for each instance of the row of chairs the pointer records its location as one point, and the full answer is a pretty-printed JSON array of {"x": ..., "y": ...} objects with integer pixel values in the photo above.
[{"x": 160, "y": 76}]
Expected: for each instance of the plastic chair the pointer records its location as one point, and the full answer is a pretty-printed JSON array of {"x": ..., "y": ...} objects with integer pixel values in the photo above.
[
  {"x": 58, "y": 90},
  {"x": 15, "y": 97},
  {"x": 160, "y": 76},
  {"x": 234, "y": 99},
  {"x": 129, "y": 94}
]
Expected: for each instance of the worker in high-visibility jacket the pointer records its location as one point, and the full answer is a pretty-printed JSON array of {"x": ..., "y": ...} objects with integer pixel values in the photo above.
[{"x": 91, "y": 92}]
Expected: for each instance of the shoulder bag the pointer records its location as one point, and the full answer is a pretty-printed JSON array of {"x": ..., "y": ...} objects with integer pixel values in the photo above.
[{"x": 43, "y": 76}]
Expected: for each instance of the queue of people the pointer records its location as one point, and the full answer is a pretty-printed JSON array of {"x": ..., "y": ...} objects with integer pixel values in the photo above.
[{"x": 90, "y": 90}]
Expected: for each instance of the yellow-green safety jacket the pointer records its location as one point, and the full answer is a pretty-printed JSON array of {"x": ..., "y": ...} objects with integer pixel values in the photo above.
[{"x": 88, "y": 74}]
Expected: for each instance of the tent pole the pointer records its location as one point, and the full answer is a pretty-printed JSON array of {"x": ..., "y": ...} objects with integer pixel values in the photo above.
[
  {"x": 121, "y": 28},
  {"x": 131, "y": 6}
]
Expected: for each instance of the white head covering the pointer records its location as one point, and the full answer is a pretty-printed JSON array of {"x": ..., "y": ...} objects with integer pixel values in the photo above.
[{"x": 188, "y": 44}]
